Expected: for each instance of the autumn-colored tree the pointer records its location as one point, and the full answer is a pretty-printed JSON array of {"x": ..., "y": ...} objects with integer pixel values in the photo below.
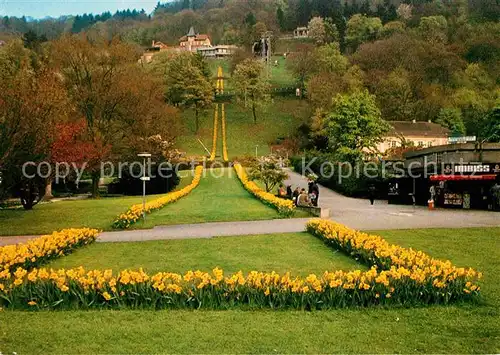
[
  {"x": 71, "y": 145},
  {"x": 322, "y": 87},
  {"x": 32, "y": 100},
  {"x": 117, "y": 98},
  {"x": 251, "y": 85},
  {"x": 301, "y": 63}
]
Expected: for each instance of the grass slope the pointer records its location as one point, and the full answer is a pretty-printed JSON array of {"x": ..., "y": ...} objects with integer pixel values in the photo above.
[
  {"x": 219, "y": 197},
  {"x": 280, "y": 118},
  {"x": 279, "y": 76},
  {"x": 455, "y": 329},
  {"x": 299, "y": 253}
]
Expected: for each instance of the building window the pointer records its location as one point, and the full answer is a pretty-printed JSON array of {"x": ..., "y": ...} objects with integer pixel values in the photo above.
[
  {"x": 394, "y": 144},
  {"x": 429, "y": 144},
  {"x": 420, "y": 143}
]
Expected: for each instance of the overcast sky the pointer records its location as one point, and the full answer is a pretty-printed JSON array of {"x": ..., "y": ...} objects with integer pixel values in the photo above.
[{"x": 56, "y": 8}]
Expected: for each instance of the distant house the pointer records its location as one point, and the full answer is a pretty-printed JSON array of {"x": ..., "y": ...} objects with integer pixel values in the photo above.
[
  {"x": 159, "y": 45},
  {"x": 421, "y": 134},
  {"x": 192, "y": 41},
  {"x": 301, "y": 32},
  {"x": 156, "y": 47},
  {"x": 219, "y": 51},
  {"x": 2, "y": 43}
]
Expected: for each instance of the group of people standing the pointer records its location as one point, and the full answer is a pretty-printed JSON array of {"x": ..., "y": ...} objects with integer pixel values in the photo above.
[{"x": 300, "y": 196}]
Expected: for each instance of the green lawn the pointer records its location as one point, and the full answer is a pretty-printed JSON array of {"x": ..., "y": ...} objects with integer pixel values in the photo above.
[
  {"x": 219, "y": 197},
  {"x": 280, "y": 76},
  {"x": 48, "y": 217},
  {"x": 299, "y": 253},
  {"x": 280, "y": 118},
  {"x": 468, "y": 328}
]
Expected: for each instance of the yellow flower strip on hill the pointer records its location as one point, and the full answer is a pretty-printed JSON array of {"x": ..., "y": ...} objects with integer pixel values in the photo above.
[
  {"x": 224, "y": 144},
  {"x": 214, "y": 138},
  {"x": 38, "y": 251},
  {"x": 285, "y": 207},
  {"x": 125, "y": 220}
]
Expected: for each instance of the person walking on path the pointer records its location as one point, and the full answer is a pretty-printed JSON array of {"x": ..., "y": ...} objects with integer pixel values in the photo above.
[
  {"x": 371, "y": 193},
  {"x": 310, "y": 183}
]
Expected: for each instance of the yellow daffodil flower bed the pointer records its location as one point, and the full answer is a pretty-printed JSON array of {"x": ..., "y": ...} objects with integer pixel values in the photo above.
[
  {"x": 42, "y": 249},
  {"x": 398, "y": 276},
  {"x": 125, "y": 220},
  {"x": 224, "y": 144},
  {"x": 286, "y": 208},
  {"x": 407, "y": 275},
  {"x": 214, "y": 138}
]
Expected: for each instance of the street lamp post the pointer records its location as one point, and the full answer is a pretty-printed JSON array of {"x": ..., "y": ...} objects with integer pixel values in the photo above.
[{"x": 144, "y": 178}]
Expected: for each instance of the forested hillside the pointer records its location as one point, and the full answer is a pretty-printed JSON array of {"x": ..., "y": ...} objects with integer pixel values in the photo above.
[{"x": 230, "y": 21}]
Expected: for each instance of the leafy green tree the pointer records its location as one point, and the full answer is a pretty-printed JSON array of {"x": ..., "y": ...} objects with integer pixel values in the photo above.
[
  {"x": 474, "y": 108},
  {"x": 269, "y": 170},
  {"x": 328, "y": 59},
  {"x": 188, "y": 84},
  {"x": 491, "y": 128},
  {"x": 353, "y": 125},
  {"x": 362, "y": 29},
  {"x": 395, "y": 96},
  {"x": 251, "y": 85},
  {"x": 433, "y": 28},
  {"x": 451, "y": 118},
  {"x": 322, "y": 87},
  {"x": 280, "y": 17},
  {"x": 391, "y": 28},
  {"x": 332, "y": 33}
]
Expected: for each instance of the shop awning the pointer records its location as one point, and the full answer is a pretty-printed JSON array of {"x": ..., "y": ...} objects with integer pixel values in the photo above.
[{"x": 462, "y": 177}]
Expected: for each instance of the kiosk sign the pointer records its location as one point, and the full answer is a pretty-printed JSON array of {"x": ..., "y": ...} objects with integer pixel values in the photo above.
[{"x": 485, "y": 168}]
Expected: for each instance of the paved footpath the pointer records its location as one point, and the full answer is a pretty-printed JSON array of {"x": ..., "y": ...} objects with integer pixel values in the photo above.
[
  {"x": 192, "y": 231},
  {"x": 359, "y": 214},
  {"x": 355, "y": 213},
  {"x": 207, "y": 230}
]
